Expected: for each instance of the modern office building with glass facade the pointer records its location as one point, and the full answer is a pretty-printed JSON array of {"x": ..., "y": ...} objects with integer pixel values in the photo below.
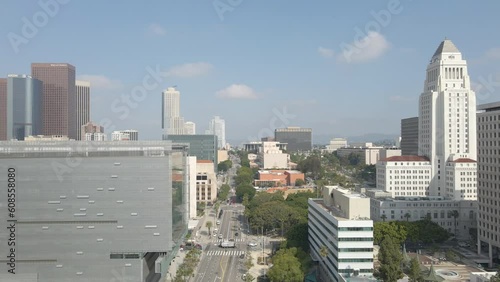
[
  {"x": 91, "y": 211},
  {"x": 202, "y": 146},
  {"x": 297, "y": 138},
  {"x": 24, "y": 106}
]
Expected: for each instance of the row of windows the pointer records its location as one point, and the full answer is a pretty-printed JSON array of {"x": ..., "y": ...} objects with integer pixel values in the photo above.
[
  {"x": 355, "y": 239},
  {"x": 356, "y": 229}
]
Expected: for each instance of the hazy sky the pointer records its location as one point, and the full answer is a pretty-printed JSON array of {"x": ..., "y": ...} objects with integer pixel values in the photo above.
[{"x": 341, "y": 67}]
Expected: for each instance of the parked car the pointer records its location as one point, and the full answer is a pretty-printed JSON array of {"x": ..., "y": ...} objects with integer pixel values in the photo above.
[{"x": 252, "y": 244}]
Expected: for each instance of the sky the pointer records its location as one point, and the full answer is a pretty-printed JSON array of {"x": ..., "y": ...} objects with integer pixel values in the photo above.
[{"x": 343, "y": 68}]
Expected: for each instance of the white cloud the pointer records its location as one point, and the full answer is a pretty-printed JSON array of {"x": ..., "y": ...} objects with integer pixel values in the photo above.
[
  {"x": 325, "y": 52},
  {"x": 156, "y": 29},
  {"x": 371, "y": 47},
  {"x": 237, "y": 91},
  {"x": 190, "y": 69},
  {"x": 101, "y": 82}
]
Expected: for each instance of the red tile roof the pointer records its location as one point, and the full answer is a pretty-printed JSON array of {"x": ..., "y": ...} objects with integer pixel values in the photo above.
[
  {"x": 406, "y": 159},
  {"x": 464, "y": 160}
]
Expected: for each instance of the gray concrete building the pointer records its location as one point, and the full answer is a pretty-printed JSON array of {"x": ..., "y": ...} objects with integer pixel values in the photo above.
[
  {"x": 409, "y": 136},
  {"x": 91, "y": 211},
  {"x": 488, "y": 176}
]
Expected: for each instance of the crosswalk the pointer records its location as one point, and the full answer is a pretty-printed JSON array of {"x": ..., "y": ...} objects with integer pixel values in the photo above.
[
  {"x": 225, "y": 253},
  {"x": 223, "y": 240}
]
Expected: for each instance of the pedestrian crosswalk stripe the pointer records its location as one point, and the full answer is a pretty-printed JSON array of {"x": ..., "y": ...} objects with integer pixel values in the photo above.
[
  {"x": 225, "y": 253},
  {"x": 220, "y": 240}
]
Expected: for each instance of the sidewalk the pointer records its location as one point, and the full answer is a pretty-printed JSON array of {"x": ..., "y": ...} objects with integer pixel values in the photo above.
[{"x": 179, "y": 258}]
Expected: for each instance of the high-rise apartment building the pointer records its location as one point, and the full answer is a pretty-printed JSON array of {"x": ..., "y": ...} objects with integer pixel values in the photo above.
[
  {"x": 447, "y": 130},
  {"x": 99, "y": 230},
  {"x": 217, "y": 126},
  {"x": 172, "y": 123},
  {"x": 297, "y": 138},
  {"x": 189, "y": 128},
  {"x": 409, "y": 136},
  {"x": 92, "y": 132},
  {"x": 58, "y": 99},
  {"x": 488, "y": 133},
  {"x": 24, "y": 105},
  {"x": 125, "y": 135},
  {"x": 3, "y": 109},
  {"x": 82, "y": 106}
]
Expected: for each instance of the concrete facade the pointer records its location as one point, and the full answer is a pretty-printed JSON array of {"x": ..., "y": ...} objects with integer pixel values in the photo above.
[
  {"x": 93, "y": 211},
  {"x": 206, "y": 182},
  {"x": 488, "y": 125},
  {"x": 346, "y": 231},
  {"x": 440, "y": 210}
]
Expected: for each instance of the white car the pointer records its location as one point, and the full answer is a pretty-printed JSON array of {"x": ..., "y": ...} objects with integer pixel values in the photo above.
[
  {"x": 218, "y": 222},
  {"x": 252, "y": 244}
]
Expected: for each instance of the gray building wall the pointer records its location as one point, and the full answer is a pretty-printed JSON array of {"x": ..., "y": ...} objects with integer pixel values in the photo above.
[
  {"x": 298, "y": 139},
  {"x": 488, "y": 196},
  {"x": 92, "y": 211},
  {"x": 409, "y": 136},
  {"x": 202, "y": 146},
  {"x": 24, "y": 106}
]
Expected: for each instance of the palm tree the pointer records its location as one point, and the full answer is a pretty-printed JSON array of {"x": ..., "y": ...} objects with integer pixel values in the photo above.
[
  {"x": 455, "y": 215},
  {"x": 407, "y": 216},
  {"x": 209, "y": 225},
  {"x": 383, "y": 217}
]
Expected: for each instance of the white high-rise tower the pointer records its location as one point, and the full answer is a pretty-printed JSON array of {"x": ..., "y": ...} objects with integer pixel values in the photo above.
[
  {"x": 447, "y": 125},
  {"x": 217, "y": 127},
  {"x": 172, "y": 122},
  {"x": 446, "y": 162}
]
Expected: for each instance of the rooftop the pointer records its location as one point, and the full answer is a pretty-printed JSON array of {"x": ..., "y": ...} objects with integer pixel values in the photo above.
[
  {"x": 406, "y": 159},
  {"x": 464, "y": 160},
  {"x": 446, "y": 47},
  {"x": 203, "y": 161}
]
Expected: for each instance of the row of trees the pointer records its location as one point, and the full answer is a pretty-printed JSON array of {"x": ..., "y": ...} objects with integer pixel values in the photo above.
[
  {"x": 186, "y": 269},
  {"x": 224, "y": 166},
  {"x": 424, "y": 231}
]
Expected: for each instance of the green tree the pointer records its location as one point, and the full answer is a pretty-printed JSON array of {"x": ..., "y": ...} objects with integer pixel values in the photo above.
[
  {"x": 383, "y": 217},
  {"x": 299, "y": 182},
  {"x": 451, "y": 255},
  {"x": 243, "y": 189},
  {"x": 414, "y": 272},
  {"x": 390, "y": 261},
  {"x": 297, "y": 236},
  {"x": 455, "y": 214},
  {"x": 224, "y": 166},
  {"x": 209, "y": 225},
  {"x": 407, "y": 216},
  {"x": 216, "y": 207},
  {"x": 286, "y": 267},
  {"x": 383, "y": 230},
  {"x": 245, "y": 201}
]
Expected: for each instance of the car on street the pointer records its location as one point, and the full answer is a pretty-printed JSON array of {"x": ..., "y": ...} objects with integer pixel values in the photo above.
[
  {"x": 220, "y": 236},
  {"x": 218, "y": 222},
  {"x": 215, "y": 234},
  {"x": 252, "y": 244},
  {"x": 236, "y": 234}
]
